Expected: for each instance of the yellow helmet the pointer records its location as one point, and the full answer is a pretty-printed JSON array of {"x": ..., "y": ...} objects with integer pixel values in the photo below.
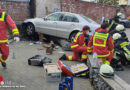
[
  {"x": 106, "y": 70},
  {"x": 120, "y": 27},
  {"x": 116, "y": 36}
]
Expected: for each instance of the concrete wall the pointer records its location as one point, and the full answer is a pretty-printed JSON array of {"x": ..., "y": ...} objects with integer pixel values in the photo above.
[
  {"x": 44, "y": 7},
  {"x": 19, "y": 11},
  {"x": 92, "y": 10}
]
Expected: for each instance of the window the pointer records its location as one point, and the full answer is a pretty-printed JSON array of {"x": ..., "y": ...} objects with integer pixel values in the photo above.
[
  {"x": 88, "y": 19},
  {"x": 75, "y": 19},
  {"x": 70, "y": 18},
  {"x": 55, "y": 17}
]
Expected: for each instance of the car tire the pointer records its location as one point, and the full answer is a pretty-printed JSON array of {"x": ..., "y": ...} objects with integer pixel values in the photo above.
[
  {"x": 72, "y": 36},
  {"x": 30, "y": 31}
]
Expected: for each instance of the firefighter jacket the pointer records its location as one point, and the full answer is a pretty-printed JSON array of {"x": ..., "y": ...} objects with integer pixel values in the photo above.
[
  {"x": 121, "y": 46},
  {"x": 5, "y": 22},
  {"x": 98, "y": 29},
  {"x": 101, "y": 43},
  {"x": 122, "y": 33},
  {"x": 79, "y": 40}
]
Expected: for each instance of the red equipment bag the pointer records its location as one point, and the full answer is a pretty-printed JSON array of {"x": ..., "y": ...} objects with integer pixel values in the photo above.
[{"x": 65, "y": 68}]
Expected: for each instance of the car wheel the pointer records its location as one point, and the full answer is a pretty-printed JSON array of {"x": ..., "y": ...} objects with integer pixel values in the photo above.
[
  {"x": 30, "y": 31},
  {"x": 72, "y": 36}
]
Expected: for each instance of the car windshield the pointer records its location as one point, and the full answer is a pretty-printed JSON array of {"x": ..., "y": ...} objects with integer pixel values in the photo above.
[{"x": 88, "y": 19}]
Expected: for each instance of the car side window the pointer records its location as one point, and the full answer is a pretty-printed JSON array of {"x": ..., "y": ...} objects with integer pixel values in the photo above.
[
  {"x": 75, "y": 19},
  {"x": 54, "y": 17},
  {"x": 70, "y": 18},
  {"x": 67, "y": 18}
]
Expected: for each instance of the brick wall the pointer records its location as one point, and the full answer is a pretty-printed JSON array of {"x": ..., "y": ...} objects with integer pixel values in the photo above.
[
  {"x": 92, "y": 10},
  {"x": 19, "y": 11}
]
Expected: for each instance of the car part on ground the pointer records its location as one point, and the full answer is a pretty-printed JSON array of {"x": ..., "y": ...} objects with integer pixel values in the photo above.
[{"x": 65, "y": 45}]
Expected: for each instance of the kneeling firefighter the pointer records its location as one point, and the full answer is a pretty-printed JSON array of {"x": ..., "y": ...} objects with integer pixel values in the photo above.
[
  {"x": 101, "y": 43},
  {"x": 78, "y": 46},
  {"x": 121, "y": 52}
]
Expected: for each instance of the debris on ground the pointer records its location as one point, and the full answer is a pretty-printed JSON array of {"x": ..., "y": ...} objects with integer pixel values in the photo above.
[
  {"x": 49, "y": 47},
  {"x": 38, "y": 60},
  {"x": 65, "y": 45},
  {"x": 52, "y": 72}
]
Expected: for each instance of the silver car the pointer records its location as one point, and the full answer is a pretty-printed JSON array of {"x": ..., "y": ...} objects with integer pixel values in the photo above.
[{"x": 60, "y": 24}]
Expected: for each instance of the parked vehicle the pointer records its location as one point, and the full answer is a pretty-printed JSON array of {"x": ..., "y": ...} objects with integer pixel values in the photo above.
[
  {"x": 126, "y": 23},
  {"x": 60, "y": 24}
]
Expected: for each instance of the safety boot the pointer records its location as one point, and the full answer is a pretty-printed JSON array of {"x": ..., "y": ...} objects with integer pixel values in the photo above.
[
  {"x": 63, "y": 57},
  {"x": 4, "y": 65}
]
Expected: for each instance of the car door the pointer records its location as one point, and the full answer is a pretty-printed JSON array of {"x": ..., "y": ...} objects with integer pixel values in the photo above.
[
  {"x": 67, "y": 24},
  {"x": 49, "y": 24}
]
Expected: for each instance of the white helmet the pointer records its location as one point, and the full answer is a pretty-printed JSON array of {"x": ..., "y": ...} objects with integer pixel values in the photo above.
[
  {"x": 116, "y": 36},
  {"x": 119, "y": 14},
  {"x": 106, "y": 70},
  {"x": 120, "y": 27}
]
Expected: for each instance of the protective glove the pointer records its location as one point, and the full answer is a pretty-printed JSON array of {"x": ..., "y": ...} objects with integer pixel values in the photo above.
[{"x": 17, "y": 39}]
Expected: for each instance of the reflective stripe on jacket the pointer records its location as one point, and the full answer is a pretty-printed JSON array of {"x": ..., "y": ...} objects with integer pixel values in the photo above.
[
  {"x": 79, "y": 40},
  {"x": 5, "y": 22},
  {"x": 101, "y": 43}
]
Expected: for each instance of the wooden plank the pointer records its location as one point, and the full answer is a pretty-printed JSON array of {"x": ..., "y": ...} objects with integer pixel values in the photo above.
[
  {"x": 112, "y": 83},
  {"x": 122, "y": 83}
]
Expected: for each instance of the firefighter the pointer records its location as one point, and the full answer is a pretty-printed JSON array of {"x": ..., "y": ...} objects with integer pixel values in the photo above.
[
  {"x": 78, "y": 46},
  {"x": 114, "y": 21},
  {"x": 5, "y": 22},
  {"x": 121, "y": 52},
  {"x": 101, "y": 43},
  {"x": 120, "y": 29}
]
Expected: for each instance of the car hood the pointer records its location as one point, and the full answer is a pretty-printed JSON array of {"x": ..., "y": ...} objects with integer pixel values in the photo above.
[{"x": 31, "y": 20}]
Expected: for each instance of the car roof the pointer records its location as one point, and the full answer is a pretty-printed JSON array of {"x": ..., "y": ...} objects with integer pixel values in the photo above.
[{"x": 67, "y": 13}]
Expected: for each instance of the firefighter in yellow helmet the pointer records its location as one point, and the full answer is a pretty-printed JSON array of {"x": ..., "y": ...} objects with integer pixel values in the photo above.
[
  {"x": 114, "y": 21},
  {"x": 120, "y": 29}
]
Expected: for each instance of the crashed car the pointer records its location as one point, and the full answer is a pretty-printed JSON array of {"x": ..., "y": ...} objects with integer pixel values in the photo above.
[
  {"x": 60, "y": 24},
  {"x": 126, "y": 23}
]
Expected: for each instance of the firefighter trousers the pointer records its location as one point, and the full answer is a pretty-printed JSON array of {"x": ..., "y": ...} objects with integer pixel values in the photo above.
[
  {"x": 4, "y": 50},
  {"x": 76, "y": 53},
  {"x": 107, "y": 60}
]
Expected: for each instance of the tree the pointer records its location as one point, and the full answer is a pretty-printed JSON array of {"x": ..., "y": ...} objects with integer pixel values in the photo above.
[{"x": 109, "y": 2}]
